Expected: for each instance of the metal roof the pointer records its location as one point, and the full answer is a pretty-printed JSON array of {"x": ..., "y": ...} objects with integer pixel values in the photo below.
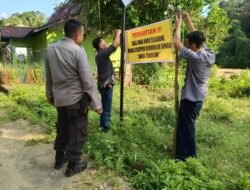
[
  {"x": 15, "y": 32},
  {"x": 70, "y": 8}
]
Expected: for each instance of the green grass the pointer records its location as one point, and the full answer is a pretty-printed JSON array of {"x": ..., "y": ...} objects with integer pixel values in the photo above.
[{"x": 140, "y": 149}]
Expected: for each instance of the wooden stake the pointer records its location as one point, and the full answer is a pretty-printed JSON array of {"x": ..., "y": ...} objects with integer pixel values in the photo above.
[{"x": 176, "y": 87}]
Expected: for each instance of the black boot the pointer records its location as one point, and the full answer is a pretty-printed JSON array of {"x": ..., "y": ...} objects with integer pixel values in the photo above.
[
  {"x": 60, "y": 160},
  {"x": 75, "y": 168}
]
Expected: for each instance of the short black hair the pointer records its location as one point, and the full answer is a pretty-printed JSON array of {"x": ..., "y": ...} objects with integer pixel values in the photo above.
[
  {"x": 196, "y": 37},
  {"x": 71, "y": 27},
  {"x": 96, "y": 43}
]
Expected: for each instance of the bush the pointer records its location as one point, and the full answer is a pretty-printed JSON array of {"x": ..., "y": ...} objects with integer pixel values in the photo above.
[
  {"x": 19, "y": 74},
  {"x": 144, "y": 73},
  {"x": 242, "y": 53},
  {"x": 140, "y": 148},
  {"x": 235, "y": 52},
  {"x": 237, "y": 86},
  {"x": 240, "y": 85},
  {"x": 169, "y": 175}
]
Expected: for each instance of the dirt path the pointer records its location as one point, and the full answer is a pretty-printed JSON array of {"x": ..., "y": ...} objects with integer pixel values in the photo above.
[
  {"x": 28, "y": 167},
  {"x": 25, "y": 167},
  {"x": 227, "y": 73}
]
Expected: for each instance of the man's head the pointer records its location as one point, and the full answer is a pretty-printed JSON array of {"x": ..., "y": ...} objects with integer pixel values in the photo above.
[
  {"x": 99, "y": 43},
  {"x": 74, "y": 29},
  {"x": 195, "y": 40}
]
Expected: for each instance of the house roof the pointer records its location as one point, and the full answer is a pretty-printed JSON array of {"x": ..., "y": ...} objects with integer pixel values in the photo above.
[
  {"x": 14, "y": 32},
  {"x": 70, "y": 8}
]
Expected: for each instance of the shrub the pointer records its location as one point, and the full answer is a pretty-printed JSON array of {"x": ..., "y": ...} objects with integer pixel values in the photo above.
[
  {"x": 169, "y": 175},
  {"x": 18, "y": 74},
  {"x": 34, "y": 76},
  {"x": 144, "y": 73}
]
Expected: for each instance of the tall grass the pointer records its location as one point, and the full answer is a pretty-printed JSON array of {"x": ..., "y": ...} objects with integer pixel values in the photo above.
[
  {"x": 140, "y": 148},
  {"x": 22, "y": 74}
]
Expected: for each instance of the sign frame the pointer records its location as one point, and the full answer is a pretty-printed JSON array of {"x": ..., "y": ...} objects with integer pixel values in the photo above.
[
  {"x": 150, "y": 61},
  {"x": 126, "y": 2}
]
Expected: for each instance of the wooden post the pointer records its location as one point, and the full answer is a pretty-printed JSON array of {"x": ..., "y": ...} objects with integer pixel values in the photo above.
[{"x": 176, "y": 87}]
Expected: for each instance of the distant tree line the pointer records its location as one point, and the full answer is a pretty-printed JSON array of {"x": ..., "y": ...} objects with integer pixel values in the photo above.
[
  {"x": 235, "y": 51},
  {"x": 226, "y": 22},
  {"x": 25, "y": 19}
]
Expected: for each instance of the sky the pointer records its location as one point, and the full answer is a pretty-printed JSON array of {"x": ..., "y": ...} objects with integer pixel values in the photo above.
[{"x": 8, "y": 7}]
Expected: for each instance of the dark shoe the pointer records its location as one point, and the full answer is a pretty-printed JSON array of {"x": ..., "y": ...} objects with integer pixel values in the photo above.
[
  {"x": 75, "y": 168},
  {"x": 59, "y": 164},
  {"x": 60, "y": 160}
]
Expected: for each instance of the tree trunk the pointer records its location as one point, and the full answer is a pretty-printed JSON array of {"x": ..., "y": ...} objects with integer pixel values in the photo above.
[
  {"x": 128, "y": 75},
  {"x": 99, "y": 16}
]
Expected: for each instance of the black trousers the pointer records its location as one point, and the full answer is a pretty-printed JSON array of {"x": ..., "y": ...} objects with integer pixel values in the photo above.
[
  {"x": 185, "y": 137},
  {"x": 72, "y": 123}
]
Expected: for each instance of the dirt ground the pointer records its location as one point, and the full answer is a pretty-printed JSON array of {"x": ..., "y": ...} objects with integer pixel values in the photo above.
[
  {"x": 227, "y": 73},
  {"x": 25, "y": 167}
]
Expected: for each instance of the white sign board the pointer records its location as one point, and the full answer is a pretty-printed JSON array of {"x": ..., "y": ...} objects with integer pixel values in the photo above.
[{"x": 126, "y": 2}]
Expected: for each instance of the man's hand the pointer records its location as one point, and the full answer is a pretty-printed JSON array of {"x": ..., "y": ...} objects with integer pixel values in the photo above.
[
  {"x": 118, "y": 32},
  {"x": 185, "y": 14},
  {"x": 177, "y": 36},
  {"x": 189, "y": 23},
  {"x": 117, "y": 38},
  {"x": 99, "y": 111},
  {"x": 178, "y": 21}
]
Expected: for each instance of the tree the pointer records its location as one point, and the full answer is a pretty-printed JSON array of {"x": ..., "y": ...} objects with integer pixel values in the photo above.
[
  {"x": 1, "y": 21},
  {"x": 238, "y": 10},
  {"x": 216, "y": 27},
  {"x": 235, "y": 52},
  {"x": 28, "y": 19},
  {"x": 140, "y": 13},
  {"x": 245, "y": 17},
  {"x": 233, "y": 8}
]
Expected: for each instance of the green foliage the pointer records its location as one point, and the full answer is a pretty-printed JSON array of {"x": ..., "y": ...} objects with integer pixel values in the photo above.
[
  {"x": 35, "y": 100},
  {"x": 144, "y": 73},
  {"x": 140, "y": 148},
  {"x": 238, "y": 10},
  {"x": 240, "y": 86},
  {"x": 171, "y": 175},
  {"x": 243, "y": 181},
  {"x": 234, "y": 53},
  {"x": 209, "y": 138},
  {"x": 242, "y": 53},
  {"x": 29, "y": 19},
  {"x": 245, "y": 25},
  {"x": 216, "y": 18},
  {"x": 237, "y": 86},
  {"x": 16, "y": 74},
  {"x": 214, "y": 71},
  {"x": 216, "y": 110},
  {"x": 233, "y": 8}
]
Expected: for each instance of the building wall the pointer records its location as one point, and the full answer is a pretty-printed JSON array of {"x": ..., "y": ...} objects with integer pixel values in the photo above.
[
  {"x": 55, "y": 33},
  {"x": 35, "y": 46}
]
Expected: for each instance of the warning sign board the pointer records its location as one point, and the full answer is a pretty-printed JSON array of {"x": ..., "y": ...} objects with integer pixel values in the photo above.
[{"x": 151, "y": 43}]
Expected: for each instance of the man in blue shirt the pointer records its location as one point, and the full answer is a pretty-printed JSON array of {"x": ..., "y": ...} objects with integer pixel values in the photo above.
[
  {"x": 105, "y": 77},
  {"x": 200, "y": 59}
]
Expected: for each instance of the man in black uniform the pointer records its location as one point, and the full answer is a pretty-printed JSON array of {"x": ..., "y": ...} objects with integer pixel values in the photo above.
[{"x": 105, "y": 78}]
